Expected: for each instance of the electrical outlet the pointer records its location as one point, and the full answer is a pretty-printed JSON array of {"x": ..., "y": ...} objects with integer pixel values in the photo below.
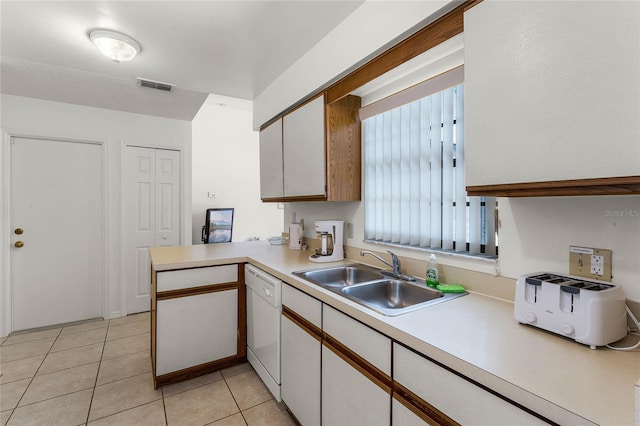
[
  {"x": 597, "y": 265},
  {"x": 349, "y": 230},
  {"x": 590, "y": 263}
]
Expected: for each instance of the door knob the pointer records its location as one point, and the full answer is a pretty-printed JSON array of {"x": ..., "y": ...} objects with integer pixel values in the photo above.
[
  {"x": 19, "y": 244},
  {"x": 18, "y": 231}
]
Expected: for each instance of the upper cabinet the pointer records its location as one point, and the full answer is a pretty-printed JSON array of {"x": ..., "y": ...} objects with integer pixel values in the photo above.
[
  {"x": 552, "y": 98},
  {"x": 271, "y": 161},
  {"x": 303, "y": 150},
  {"x": 312, "y": 153}
]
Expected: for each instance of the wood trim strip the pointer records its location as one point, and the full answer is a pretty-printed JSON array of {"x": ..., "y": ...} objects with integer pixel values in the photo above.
[
  {"x": 242, "y": 313},
  {"x": 481, "y": 386},
  {"x": 296, "y": 198},
  {"x": 420, "y": 407},
  {"x": 303, "y": 323},
  {"x": 365, "y": 368},
  {"x": 194, "y": 291},
  {"x": 623, "y": 185},
  {"x": 154, "y": 313},
  {"x": 198, "y": 370},
  {"x": 433, "y": 34}
]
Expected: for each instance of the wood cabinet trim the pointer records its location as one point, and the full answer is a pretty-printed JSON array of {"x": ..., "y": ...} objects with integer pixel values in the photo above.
[
  {"x": 242, "y": 313},
  {"x": 343, "y": 150},
  {"x": 198, "y": 370},
  {"x": 623, "y": 185},
  {"x": 420, "y": 407},
  {"x": 302, "y": 322},
  {"x": 195, "y": 291},
  {"x": 297, "y": 198},
  {"x": 471, "y": 381},
  {"x": 356, "y": 361},
  {"x": 442, "y": 29}
]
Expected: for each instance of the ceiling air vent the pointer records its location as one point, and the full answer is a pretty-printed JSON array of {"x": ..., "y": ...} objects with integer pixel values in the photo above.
[{"x": 155, "y": 85}]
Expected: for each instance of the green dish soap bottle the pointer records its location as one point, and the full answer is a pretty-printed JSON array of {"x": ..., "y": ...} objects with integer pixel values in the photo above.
[{"x": 432, "y": 272}]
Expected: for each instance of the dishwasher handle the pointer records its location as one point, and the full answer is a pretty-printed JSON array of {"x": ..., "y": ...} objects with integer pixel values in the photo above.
[{"x": 264, "y": 285}]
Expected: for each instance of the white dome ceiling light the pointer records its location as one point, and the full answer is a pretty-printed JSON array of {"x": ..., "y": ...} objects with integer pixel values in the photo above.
[{"x": 115, "y": 46}]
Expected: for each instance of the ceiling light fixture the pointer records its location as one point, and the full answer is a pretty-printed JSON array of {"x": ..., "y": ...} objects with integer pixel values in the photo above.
[{"x": 115, "y": 46}]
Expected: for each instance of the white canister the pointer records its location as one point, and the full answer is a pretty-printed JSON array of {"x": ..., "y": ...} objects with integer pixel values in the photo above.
[{"x": 295, "y": 236}]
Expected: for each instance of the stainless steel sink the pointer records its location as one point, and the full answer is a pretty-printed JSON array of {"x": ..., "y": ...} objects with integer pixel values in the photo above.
[
  {"x": 369, "y": 287},
  {"x": 340, "y": 276},
  {"x": 395, "y": 297}
]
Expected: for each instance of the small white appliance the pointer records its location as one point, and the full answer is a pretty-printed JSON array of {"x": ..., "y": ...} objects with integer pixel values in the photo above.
[
  {"x": 331, "y": 235},
  {"x": 295, "y": 236},
  {"x": 588, "y": 311},
  {"x": 264, "y": 305}
]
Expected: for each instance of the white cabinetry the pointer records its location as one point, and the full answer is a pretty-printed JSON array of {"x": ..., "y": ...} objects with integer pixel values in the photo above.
[
  {"x": 356, "y": 368},
  {"x": 300, "y": 354},
  {"x": 452, "y": 395},
  {"x": 312, "y": 153},
  {"x": 271, "y": 161},
  {"x": 195, "y": 330},
  {"x": 547, "y": 98},
  {"x": 198, "y": 321},
  {"x": 303, "y": 146}
]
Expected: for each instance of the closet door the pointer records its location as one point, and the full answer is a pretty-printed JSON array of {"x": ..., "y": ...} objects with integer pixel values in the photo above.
[{"x": 152, "y": 216}]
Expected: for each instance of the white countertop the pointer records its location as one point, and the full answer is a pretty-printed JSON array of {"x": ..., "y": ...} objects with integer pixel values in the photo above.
[{"x": 475, "y": 335}]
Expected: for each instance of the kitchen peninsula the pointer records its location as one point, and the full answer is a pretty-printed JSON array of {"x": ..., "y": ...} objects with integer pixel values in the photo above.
[{"x": 473, "y": 337}]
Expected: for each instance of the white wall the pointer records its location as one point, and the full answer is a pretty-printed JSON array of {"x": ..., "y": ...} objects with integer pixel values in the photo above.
[
  {"x": 361, "y": 36},
  {"x": 536, "y": 233},
  {"x": 33, "y": 117},
  {"x": 226, "y": 161}
]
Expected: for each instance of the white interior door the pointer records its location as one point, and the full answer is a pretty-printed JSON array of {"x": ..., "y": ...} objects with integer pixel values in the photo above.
[
  {"x": 57, "y": 201},
  {"x": 152, "y": 215}
]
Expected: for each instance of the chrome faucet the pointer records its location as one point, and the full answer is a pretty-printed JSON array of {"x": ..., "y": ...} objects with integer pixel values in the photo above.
[{"x": 395, "y": 265}]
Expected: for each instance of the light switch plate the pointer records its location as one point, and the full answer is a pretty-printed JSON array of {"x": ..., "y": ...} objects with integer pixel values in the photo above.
[{"x": 590, "y": 262}]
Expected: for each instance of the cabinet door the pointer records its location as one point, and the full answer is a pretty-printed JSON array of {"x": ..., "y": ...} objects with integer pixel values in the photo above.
[
  {"x": 348, "y": 396},
  {"x": 271, "y": 161},
  {"x": 303, "y": 142},
  {"x": 356, "y": 370},
  {"x": 300, "y": 372},
  {"x": 457, "y": 398},
  {"x": 197, "y": 329},
  {"x": 548, "y": 98}
]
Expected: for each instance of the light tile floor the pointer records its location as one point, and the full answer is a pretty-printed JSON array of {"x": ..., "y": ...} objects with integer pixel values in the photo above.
[{"x": 99, "y": 373}]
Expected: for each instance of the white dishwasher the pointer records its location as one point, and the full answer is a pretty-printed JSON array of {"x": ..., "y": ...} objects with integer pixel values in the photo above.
[{"x": 264, "y": 305}]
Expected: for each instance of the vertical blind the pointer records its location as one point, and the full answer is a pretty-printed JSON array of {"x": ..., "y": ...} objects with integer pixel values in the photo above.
[{"x": 414, "y": 186}]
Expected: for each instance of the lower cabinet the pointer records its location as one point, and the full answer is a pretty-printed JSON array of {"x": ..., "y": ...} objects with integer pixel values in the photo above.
[
  {"x": 196, "y": 330},
  {"x": 436, "y": 395},
  {"x": 198, "y": 321},
  {"x": 356, "y": 372},
  {"x": 300, "y": 351},
  {"x": 337, "y": 371}
]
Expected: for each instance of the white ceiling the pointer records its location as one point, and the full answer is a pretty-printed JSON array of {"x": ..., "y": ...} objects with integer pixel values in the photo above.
[{"x": 230, "y": 48}]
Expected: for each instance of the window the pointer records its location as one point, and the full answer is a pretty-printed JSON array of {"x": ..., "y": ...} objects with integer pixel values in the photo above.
[{"x": 414, "y": 188}]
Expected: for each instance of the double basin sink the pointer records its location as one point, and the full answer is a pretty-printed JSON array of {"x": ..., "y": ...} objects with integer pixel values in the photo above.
[{"x": 369, "y": 287}]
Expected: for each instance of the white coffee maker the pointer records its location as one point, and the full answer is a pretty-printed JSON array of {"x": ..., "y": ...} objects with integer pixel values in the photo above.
[{"x": 331, "y": 235}]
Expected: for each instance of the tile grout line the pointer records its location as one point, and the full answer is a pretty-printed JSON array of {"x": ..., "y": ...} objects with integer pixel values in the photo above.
[
  {"x": 95, "y": 383},
  {"x": 235, "y": 401},
  {"x": 164, "y": 407},
  {"x": 33, "y": 377}
]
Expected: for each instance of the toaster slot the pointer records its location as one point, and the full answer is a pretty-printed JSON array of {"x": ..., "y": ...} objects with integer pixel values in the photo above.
[
  {"x": 532, "y": 288},
  {"x": 569, "y": 297}
]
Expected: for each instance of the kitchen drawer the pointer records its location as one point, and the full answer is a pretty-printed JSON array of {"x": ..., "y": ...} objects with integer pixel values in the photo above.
[
  {"x": 195, "y": 277},
  {"x": 302, "y": 304},
  {"x": 366, "y": 342},
  {"x": 461, "y": 400}
]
